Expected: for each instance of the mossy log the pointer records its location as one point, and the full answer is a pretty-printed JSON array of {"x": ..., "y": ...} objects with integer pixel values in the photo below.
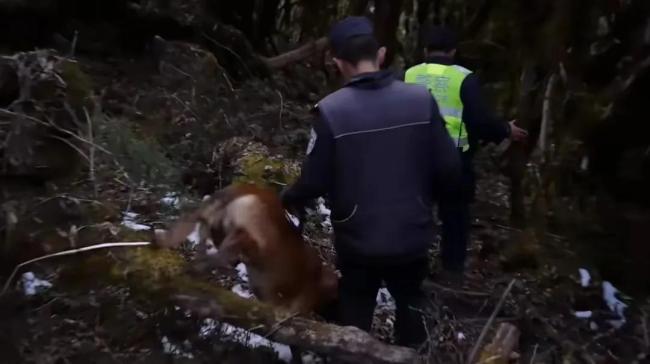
[
  {"x": 349, "y": 344},
  {"x": 163, "y": 276}
]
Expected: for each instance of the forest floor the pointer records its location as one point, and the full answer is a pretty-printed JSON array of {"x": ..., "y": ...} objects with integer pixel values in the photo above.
[{"x": 57, "y": 316}]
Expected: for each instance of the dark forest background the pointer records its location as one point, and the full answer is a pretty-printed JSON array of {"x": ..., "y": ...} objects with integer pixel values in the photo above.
[{"x": 108, "y": 106}]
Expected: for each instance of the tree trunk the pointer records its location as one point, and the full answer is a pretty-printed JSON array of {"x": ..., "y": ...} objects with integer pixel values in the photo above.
[
  {"x": 517, "y": 150},
  {"x": 387, "y": 13},
  {"x": 424, "y": 6},
  {"x": 267, "y": 12}
]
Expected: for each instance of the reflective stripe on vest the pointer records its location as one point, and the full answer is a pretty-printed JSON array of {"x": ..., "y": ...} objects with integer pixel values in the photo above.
[{"x": 444, "y": 83}]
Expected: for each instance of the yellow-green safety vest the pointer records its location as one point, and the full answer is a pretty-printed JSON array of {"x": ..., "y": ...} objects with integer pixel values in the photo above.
[{"x": 444, "y": 83}]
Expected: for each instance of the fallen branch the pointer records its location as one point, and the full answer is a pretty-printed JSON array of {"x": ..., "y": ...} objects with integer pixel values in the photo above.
[
  {"x": 207, "y": 300},
  {"x": 343, "y": 343},
  {"x": 69, "y": 252},
  {"x": 477, "y": 345},
  {"x": 432, "y": 287},
  {"x": 296, "y": 55},
  {"x": 56, "y": 127},
  {"x": 546, "y": 117}
]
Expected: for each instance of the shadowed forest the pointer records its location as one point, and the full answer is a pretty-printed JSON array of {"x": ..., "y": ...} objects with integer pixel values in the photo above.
[{"x": 118, "y": 116}]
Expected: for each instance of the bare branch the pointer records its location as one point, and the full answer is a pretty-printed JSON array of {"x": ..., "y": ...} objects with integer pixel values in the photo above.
[
  {"x": 69, "y": 252},
  {"x": 477, "y": 345}
]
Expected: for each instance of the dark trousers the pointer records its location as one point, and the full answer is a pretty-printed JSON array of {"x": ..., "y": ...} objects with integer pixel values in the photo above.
[
  {"x": 456, "y": 220},
  {"x": 358, "y": 289}
]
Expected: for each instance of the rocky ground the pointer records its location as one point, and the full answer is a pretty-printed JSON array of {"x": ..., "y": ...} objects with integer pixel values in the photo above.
[{"x": 162, "y": 135}]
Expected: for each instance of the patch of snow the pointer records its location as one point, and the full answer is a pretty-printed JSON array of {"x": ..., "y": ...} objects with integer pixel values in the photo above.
[
  {"x": 170, "y": 348},
  {"x": 325, "y": 213},
  {"x": 585, "y": 278},
  {"x": 208, "y": 328},
  {"x": 171, "y": 200},
  {"x": 292, "y": 219},
  {"x": 385, "y": 300},
  {"x": 206, "y": 197},
  {"x": 460, "y": 337},
  {"x": 33, "y": 285},
  {"x": 129, "y": 222},
  {"x": 212, "y": 250},
  {"x": 194, "y": 236},
  {"x": 593, "y": 326},
  {"x": 615, "y": 305},
  {"x": 583, "y": 314},
  {"x": 241, "y": 291},
  {"x": 242, "y": 273},
  {"x": 584, "y": 164},
  {"x": 309, "y": 357},
  {"x": 252, "y": 340}
]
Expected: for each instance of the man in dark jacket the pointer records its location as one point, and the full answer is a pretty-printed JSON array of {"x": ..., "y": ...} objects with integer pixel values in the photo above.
[
  {"x": 468, "y": 121},
  {"x": 380, "y": 153}
]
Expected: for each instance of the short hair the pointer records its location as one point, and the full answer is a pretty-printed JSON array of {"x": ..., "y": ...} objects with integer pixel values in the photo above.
[
  {"x": 358, "y": 48},
  {"x": 437, "y": 38}
]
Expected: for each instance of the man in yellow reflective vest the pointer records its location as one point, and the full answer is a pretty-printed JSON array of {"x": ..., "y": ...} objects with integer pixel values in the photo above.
[{"x": 468, "y": 121}]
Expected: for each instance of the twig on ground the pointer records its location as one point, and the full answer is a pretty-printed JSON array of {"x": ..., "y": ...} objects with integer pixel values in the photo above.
[
  {"x": 644, "y": 323},
  {"x": 510, "y": 228},
  {"x": 281, "y": 109},
  {"x": 225, "y": 77},
  {"x": 532, "y": 359},
  {"x": 73, "y": 46},
  {"x": 546, "y": 117},
  {"x": 182, "y": 72},
  {"x": 279, "y": 324},
  {"x": 91, "y": 154},
  {"x": 175, "y": 97},
  {"x": 69, "y": 252},
  {"x": 229, "y": 51},
  {"x": 436, "y": 286},
  {"x": 481, "y": 337},
  {"x": 50, "y": 124}
]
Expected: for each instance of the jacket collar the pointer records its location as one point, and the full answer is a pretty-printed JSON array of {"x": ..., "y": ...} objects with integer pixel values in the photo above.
[
  {"x": 447, "y": 61},
  {"x": 372, "y": 80}
]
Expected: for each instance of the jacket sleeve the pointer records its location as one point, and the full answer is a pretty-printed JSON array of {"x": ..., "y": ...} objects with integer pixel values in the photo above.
[
  {"x": 446, "y": 158},
  {"x": 317, "y": 169},
  {"x": 480, "y": 122}
]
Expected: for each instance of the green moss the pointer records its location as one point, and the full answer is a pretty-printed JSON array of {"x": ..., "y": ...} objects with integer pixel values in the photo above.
[
  {"x": 150, "y": 267},
  {"x": 79, "y": 86},
  {"x": 263, "y": 170},
  {"x": 259, "y": 169}
]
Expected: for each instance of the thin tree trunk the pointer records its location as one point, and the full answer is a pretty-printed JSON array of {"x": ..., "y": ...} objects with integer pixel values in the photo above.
[
  {"x": 387, "y": 13},
  {"x": 518, "y": 150}
]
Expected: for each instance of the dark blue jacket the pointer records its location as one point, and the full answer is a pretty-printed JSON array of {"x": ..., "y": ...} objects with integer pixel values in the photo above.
[{"x": 382, "y": 156}]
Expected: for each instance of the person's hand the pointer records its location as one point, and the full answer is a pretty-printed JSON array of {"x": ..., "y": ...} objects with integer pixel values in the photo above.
[{"x": 517, "y": 134}]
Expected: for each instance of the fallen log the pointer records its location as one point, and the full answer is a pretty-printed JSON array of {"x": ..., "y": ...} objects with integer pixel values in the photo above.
[
  {"x": 163, "y": 276},
  {"x": 348, "y": 344},
  {"x": 296, "y": 55}
]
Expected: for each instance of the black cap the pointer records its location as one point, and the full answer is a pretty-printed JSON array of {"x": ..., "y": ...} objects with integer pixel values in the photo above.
[
  {"x": 347, "y": 28},
  {"x": 440, "y": 38}
]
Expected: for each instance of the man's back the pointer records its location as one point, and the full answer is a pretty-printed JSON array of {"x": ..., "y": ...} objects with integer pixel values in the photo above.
[
  {"x": 379, "y": 150},
  {"x": 389, "y": 150}
]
